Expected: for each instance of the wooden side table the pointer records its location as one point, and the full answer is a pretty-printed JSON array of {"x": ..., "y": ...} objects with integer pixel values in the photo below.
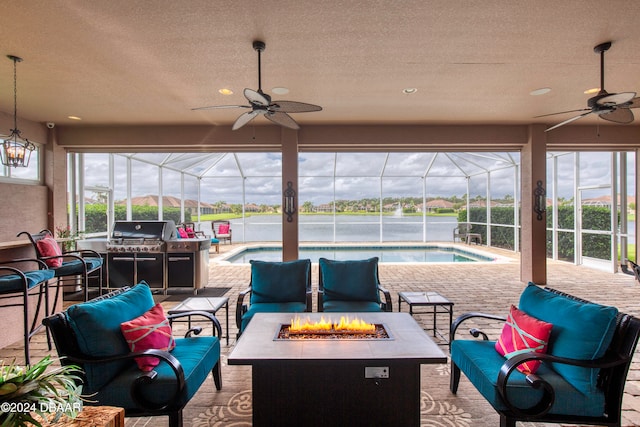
[{"x": 93, "y": 416}]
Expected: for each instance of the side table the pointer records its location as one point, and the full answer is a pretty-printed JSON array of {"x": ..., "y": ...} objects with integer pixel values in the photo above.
[
  {"x": 429, "y": 299},
  {"x": 474, "y": 237},
  {"x": 207, "y": 304}
]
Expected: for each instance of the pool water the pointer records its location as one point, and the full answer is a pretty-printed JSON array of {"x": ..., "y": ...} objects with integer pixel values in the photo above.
[{"x": 434, "y": 254}]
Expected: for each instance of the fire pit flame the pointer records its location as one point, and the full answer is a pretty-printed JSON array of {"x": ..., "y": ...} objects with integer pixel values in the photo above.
[{"x": 345, "y": 325}]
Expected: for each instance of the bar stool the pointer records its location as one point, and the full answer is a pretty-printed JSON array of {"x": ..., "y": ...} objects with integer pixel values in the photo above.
[
  {"x": 67, "y": 266},
  {"x": 18, "y": 284}
]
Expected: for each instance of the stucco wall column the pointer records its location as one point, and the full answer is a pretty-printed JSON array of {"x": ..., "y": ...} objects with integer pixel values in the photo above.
[
  {"x": 533, "y": 257},
  {"x": 290, "y": 174},
  {"x": 55, "y": 179}
]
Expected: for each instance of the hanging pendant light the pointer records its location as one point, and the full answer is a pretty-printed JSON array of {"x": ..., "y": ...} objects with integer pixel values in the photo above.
[{"x": 16, "y": 150}]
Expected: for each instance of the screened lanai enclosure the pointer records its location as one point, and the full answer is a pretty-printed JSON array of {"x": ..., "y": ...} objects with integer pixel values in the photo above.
[{"x": 365, "y": 197}]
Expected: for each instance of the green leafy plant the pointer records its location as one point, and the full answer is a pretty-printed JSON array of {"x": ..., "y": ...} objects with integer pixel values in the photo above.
[
  {"x": 31, "y": 390},
  {"x": 65, "y": 233}
]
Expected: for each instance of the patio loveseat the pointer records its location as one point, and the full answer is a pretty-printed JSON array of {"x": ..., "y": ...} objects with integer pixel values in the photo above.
[{"x": 574, "y": 376}]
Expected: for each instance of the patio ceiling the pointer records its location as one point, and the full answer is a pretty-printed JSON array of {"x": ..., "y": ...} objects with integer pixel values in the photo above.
[{"x": 120, "y": 62}]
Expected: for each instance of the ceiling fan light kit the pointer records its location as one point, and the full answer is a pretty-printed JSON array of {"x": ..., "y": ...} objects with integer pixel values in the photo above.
[
  {"x": 613, "y": 107},
  {"x": 261, "y": 103}
]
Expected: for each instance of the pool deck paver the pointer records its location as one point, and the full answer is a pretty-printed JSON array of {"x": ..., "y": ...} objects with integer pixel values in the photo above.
[{"x": 486, "y": 287}]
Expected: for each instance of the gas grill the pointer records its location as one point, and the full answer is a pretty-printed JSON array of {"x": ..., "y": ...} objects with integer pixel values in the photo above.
[{"x": 151, "y": 251}]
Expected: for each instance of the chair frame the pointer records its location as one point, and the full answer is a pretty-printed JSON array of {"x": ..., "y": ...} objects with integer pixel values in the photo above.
[
  {"x": 42, "y": 291},
  {"x": 70, "y": 354},
  {"x": 460, "y": 233},
  {"x": 242, "y": 307},
  {"x": 192, "y": 226},
  {"x": 614, "y": 367},
  {"x": 76, "y": 254},
  {"x": 215, "y": 225},
  {"x": 635, "y": 269},
  {"x": 387, "y": 305}
]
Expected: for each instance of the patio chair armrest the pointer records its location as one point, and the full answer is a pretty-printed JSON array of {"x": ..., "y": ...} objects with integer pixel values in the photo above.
[
  {"x": 387, "y": 304},
  {"x": 536, "y": 381},
  {"x": 241, "y": 307},
  {"x": 309, "y": 300},
  {"x": 83, "y": 253},
  {"x": 474, "y": 331},
  {"x": 145, "y": 377},
  {"x": 41, "y": 264},
  {"x": 320, "y": 300},
  {"x": 217, "y": 328}
]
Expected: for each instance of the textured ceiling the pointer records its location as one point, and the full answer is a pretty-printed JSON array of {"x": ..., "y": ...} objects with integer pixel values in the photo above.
[{"x": 143, "y": 62}]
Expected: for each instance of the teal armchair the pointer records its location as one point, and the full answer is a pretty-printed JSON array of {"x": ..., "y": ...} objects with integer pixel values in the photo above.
[
  {"x": 89, "y": 335},
  {"x": 351, "y": 286},
  {"x": 275, "y": 287},
  {"x": 582, "y": 374}
]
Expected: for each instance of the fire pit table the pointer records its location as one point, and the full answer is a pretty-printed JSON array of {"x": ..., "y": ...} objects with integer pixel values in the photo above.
[{"x": 327, "y": 380}]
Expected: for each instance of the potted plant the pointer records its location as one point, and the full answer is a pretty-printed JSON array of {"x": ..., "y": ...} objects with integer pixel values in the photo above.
[{"x": 30, "y": 395}]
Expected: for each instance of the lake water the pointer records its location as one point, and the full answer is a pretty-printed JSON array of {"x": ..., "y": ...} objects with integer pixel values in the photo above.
[{"x": 348, "y": 228}]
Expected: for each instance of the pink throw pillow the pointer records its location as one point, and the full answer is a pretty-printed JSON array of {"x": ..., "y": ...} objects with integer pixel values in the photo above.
[
  {"x": 224, "y": 229},
  {"x": 149, "y": 331},
  {"x": 522, "y": 334},
  {"x": 49, "y": 247},
  {"x": 191, "y": 233},
  {"x": 183, "y": 234}
]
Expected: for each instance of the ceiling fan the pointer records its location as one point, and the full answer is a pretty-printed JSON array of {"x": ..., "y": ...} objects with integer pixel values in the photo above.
[
  {"x": 261, "y": 104},
  {"x": 614, "y": 107}
]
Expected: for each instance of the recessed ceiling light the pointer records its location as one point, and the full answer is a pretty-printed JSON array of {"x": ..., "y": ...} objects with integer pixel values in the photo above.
[
  {"x": 225, "y": 91},
  {"x": 592, "y": 90},
  {"x": 280, "y": 90},
  {"x": 409, "y": 90},
  {"x": 74, "y": 118},
  {"x": 540, "y": 91}
]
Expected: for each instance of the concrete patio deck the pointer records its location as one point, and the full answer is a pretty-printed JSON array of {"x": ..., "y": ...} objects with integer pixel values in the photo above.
[{"x": 487, "y": 287}]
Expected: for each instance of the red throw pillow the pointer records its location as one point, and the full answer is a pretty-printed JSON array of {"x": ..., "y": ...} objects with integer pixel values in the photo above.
[
  {"x": 223, "y": 229},
  {"x": 49, "y": 247},
  {"x": 183, "y": 234},
  {"x": 191, "y": 233},
  {"x": 149, "y": 331},
  {"x": 521, "y": 334}
]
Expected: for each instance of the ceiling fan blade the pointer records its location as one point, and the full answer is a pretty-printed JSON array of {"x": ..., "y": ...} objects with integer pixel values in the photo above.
[
  {"x": 256, "y": 97},
  {"x": 211, "y": 107},
  {"x": 563, "y": 112},
  {"x": 283, "y": 119},
  {"x": 569, "y": 121},
  {"x": 634, "y": 103},
  {"x": 616, "y": 98},
  {"x": 294, "y": 107},
  {"x": 245, "y": 118},
  {"x": 619, "y": 115}
]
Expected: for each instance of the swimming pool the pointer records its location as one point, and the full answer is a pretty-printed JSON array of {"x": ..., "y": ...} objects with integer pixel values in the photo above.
[{"x": 400, "y": 254}]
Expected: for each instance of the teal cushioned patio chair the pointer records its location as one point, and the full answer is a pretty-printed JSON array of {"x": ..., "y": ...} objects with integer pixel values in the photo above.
[
  {"x": 351, "y": 286},
  {"x": 88, "y": 335},
  {"x": 16, "y": 286},
  {"x": 75, "y": 264},
  {"x": 275, "y": 287},
  {"x": 582, "y": 376}
]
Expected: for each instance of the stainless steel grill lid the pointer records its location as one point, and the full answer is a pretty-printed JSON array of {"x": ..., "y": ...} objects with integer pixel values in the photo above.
[{"x": 144, "y": 230}]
